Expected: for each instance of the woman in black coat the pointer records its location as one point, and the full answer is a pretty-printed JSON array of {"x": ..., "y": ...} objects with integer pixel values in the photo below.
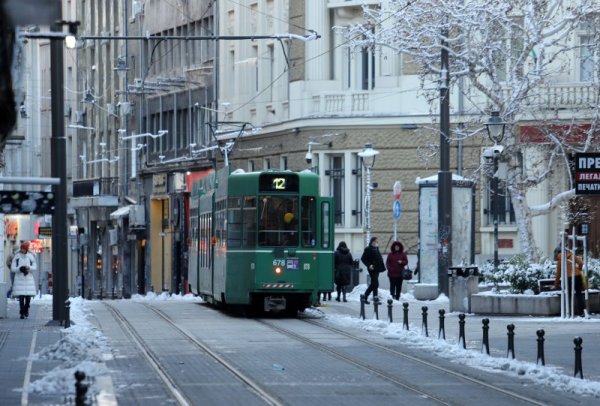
[
  {"x": 373, "y": 260},
  {"x": 343, "y": 267}
]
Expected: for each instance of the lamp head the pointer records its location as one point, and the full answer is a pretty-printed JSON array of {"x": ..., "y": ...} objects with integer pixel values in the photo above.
[
  {"x": 495, "y": 127},
  {"x": 368, "y": 155}
]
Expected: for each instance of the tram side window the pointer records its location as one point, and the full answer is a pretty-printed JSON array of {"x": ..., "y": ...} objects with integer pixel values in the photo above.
[
  {"x": 325, "y": 221},
  {"x": 278, "y": 221},
  {"x": 249, "y": 226},
  {"x": 220, "y": 226},
  {"x": 234, "y": 222},
  {"x": 205, "y": 234},
  {"x": 309, "y": 221}
]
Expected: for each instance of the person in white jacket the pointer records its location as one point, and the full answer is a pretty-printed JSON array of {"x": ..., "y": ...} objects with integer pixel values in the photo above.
[{"x": 23, "y": 265}]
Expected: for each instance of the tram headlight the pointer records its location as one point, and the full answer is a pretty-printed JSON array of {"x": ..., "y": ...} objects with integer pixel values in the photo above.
[{"x": 278, "y": 270}]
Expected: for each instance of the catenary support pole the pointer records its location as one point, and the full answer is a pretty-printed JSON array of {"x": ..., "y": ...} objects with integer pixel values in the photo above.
[
  {"x": 444, "y": 175},
  {"x": 60, "y": 251}
]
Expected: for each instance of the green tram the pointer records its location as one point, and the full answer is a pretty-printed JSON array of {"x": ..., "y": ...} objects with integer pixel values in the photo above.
[{"x": 261, "y": 239}]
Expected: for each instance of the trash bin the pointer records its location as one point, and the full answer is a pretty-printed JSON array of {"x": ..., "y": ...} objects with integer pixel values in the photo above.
[
  {"x": 464, "y": 282},
  {"x": 354, "y": 274}
]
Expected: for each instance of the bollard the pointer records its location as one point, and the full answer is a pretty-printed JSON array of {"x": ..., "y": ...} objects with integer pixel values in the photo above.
[
  {"x": 113, "y": 293},
  {"x": 89, "y": 294},
  {"x": 511, "y": 341},
  {"x": 486, "y": 338},
  {"x": 578, "y": 368},
  {"x": 40, "y": 289},
  {"x": 362, "y": 306},
  {"x": 100, "y": 292},
  {"x": 424, "y": 323},
  {"x": 390, "y": 303},
  {"x": 67, "y": 313},
  {"x": 442, "y": 330},
  {"x": 461, "y": 331},
  {"x": 80, "y": 388},
  {"x": 405, "y": 321},
  {"x": 540, "y": 348},
  {"x": 376, "y": 306}
]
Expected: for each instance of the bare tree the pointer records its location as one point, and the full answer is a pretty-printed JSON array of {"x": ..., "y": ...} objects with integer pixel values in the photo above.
[{"x": 516, "y": 57}]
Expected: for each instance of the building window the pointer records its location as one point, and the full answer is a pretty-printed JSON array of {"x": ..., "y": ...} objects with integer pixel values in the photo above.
[
  {"x": 358, "y": 187},
  {"x": 283, "y": 163},
  {"x": 359, "y": 69},
  {"x": 587, "y": 53},
  {"x": 506, "y": 212},
  {"x": 336, "y": 187}
]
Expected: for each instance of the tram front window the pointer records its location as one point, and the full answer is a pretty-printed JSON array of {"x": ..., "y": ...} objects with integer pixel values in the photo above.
[{"x": 278, "y": 221}]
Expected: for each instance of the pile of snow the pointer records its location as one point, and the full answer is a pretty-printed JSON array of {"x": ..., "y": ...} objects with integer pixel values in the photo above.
[{"x": 81, "y": 348}]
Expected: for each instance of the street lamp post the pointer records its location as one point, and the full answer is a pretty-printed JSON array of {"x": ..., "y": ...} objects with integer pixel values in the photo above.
[
  {"x": 495, "y": 128},
  {"x": 368, "y": 155}
]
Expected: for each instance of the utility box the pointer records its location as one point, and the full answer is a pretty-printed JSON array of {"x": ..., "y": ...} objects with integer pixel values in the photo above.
[
  {"x": 463, "y": 283},
  {"x": 137, "y": 216}
]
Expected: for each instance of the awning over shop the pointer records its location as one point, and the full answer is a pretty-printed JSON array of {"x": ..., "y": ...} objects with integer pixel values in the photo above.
[{"x": 120, "y": 212}]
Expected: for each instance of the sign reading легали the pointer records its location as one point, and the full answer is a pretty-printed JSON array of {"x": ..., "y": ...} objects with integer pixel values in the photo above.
[{"x": 587, "y": 173}]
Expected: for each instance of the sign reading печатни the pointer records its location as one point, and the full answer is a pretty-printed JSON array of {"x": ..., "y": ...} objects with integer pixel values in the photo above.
[{"x": 587, "y": 173}]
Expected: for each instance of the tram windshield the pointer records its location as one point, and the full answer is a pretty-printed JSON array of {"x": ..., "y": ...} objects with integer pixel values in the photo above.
[{"x": 278, "y": 221}]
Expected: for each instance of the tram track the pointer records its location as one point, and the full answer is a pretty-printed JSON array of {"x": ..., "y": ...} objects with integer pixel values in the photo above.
[
  {"x": 389, "y": 376},
  {"x": 150, "y": 356},
  {"x": 171, "y": 386}
]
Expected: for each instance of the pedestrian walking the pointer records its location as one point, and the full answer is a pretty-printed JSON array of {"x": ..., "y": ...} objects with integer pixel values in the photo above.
[
  {"x": 343, "y": 267},
  {"x": 373, "y": 260},
  {"x": 578, "y": 278},
  {"x": 395, "y": 263},
  {"x": 23, "y": 265}
]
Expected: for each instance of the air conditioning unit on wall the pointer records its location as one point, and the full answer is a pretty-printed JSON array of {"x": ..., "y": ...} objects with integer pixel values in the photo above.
[{"x": 137, "y": 216}]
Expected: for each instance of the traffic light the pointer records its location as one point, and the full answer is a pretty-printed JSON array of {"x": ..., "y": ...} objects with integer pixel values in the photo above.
[{"x": 99, "y": 262}]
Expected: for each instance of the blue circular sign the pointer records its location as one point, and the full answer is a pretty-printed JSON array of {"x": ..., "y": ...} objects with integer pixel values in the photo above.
[{"x": 397, "y": 209}]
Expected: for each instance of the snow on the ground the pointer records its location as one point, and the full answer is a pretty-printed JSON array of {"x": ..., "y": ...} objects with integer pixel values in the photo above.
[
  {"x": 543, "y": 375},
  {"x": 151, "y": 296},
  {"x": 84, "y": 348},
  {"x": 81, "y": 348}
]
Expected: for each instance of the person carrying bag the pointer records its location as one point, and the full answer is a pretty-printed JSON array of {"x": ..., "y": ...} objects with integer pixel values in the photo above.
[
  {"x": 23, "y": 265},
  {"x": 396, "y": 263},
  {"x": 373, "y": 260}
]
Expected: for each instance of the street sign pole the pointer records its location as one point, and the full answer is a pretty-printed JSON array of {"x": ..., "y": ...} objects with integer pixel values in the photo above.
[{"x": 397, "y": 207}]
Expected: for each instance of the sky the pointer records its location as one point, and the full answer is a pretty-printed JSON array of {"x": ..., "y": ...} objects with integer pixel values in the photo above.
[{"x": 85, "y": 348}]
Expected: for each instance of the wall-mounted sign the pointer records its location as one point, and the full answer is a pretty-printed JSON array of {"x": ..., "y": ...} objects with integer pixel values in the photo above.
[
  {"x": 159, "y": 183},
  {"x": 587, "y": 173}
]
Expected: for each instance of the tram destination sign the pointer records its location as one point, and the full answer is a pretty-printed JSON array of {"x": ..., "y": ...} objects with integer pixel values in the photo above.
[
  {"x": 278, "y": 182},
  {"x": 587, "y": 173}
]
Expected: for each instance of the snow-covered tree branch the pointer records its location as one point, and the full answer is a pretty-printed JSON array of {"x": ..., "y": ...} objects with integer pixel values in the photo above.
[{"x": 517, "y": 57}]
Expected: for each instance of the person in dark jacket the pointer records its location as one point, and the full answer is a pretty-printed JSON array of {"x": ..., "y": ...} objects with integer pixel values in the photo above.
[
  {"x": 373, "y": 260},
  {"x": 395, "y": 263},
  {"x": 343, "y": 267}
]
